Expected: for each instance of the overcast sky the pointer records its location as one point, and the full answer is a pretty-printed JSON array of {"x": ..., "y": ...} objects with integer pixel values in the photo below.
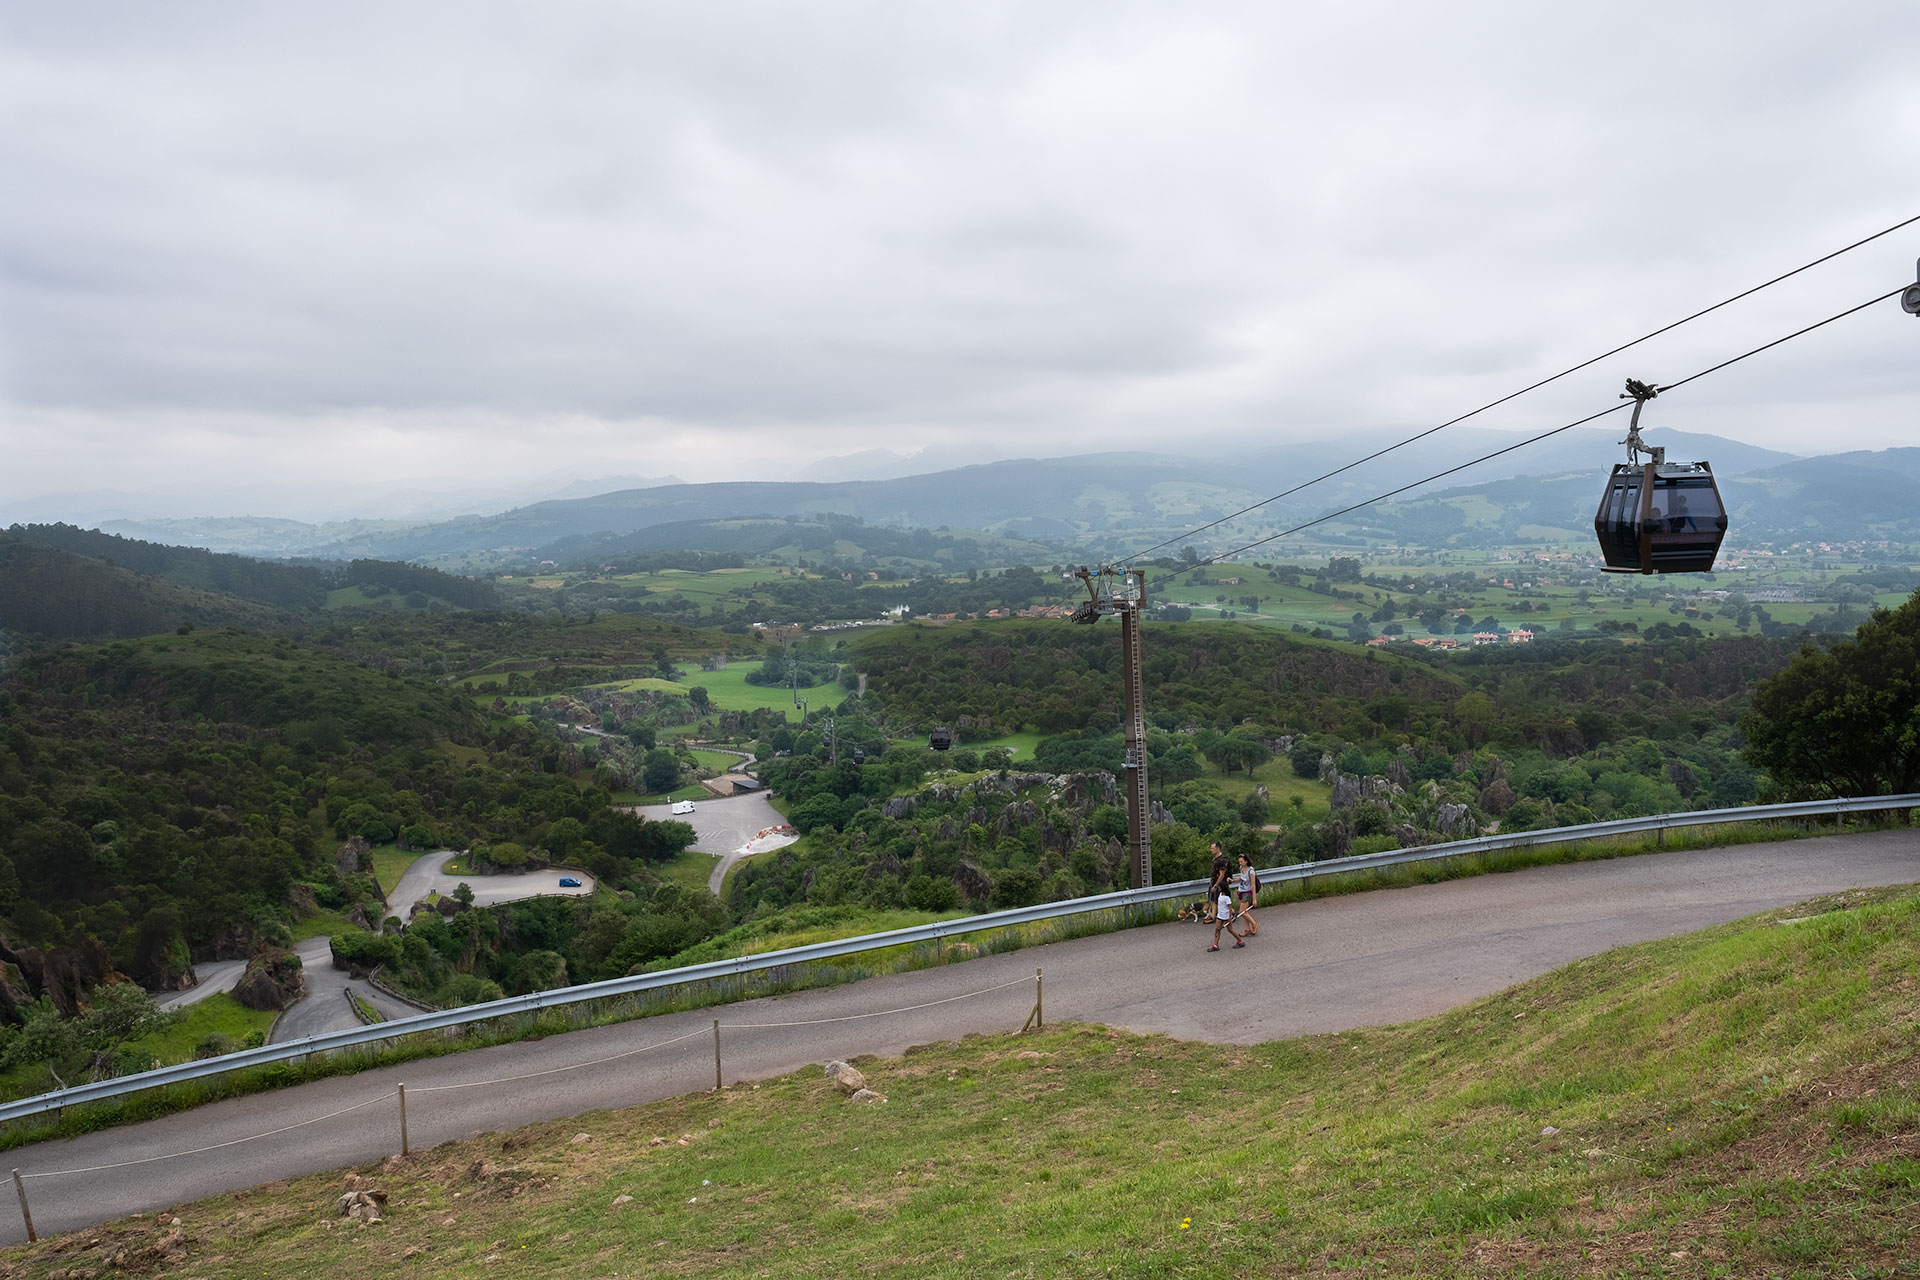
[{"x": 293, "y": 259}]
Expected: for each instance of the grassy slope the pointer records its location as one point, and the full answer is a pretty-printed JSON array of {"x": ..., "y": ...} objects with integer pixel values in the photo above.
[
  {"x": 219, "y": 1012},
  {"x": 1740, "y": 1102}
]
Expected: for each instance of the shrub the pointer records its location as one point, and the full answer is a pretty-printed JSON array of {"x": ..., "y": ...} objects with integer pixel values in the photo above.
[
  {"x": 1016, "y": 887},
  {"x": 215, "y": 1044},
  {"x": 931, "y": 893}
]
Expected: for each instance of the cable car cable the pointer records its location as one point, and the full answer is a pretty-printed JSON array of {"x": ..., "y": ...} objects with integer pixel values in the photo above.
[
  {"x": 1494, "y": 404},
  {"x": 1334, "y": 515},
  {"x": 1894, "y": 293}
]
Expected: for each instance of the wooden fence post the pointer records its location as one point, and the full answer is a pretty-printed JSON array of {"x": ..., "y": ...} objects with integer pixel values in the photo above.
[
  {"x": 1035, "y": 1020},
  {"x": 20, "y": 1189}
]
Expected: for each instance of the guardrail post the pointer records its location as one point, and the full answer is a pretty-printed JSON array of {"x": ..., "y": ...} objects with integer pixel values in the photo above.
[
  {"x": 20, "y": 1189},
  {"x": 716, "y": 1055},
  {"x": 404, "y": 1149}
]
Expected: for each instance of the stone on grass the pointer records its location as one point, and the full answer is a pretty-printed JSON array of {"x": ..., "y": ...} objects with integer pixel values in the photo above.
[
  {"x": 848, "y": 1077},
  {"x": 362, "y": 1206}
]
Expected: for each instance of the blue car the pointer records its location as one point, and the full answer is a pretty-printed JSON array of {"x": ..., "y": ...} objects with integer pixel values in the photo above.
[{"x": 568, "y": 882}]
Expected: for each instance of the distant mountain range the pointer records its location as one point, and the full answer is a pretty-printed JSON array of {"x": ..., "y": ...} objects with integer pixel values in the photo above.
[{"x": 1114, "y": 502}]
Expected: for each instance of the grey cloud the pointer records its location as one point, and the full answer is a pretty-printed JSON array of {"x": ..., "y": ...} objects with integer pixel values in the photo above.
[{"x": 821, "y": 229}]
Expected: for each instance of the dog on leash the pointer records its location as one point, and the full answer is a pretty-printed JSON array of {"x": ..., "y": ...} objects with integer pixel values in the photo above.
[{"x": 1200, "y": 912}]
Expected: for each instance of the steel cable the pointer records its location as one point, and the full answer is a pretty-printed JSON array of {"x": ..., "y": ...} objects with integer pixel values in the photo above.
[
  {"x": 1535, "y": 386},
  {"x": 1438, "y": 475}
]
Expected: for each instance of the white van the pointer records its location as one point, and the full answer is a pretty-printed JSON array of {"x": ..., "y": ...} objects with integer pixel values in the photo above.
[{"x": 682, "y": 806}]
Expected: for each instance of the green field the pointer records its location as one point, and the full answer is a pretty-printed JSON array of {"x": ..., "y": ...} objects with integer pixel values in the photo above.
[
  {"x": 1549, "y": 606},
  {"x": 729, "y": 690},
  {"x": 1739, "y": 1102},
  {"x": 321, "y": 924},
  {"x": 1277, "y": 777},
  {"x": 1021, "y": 744}
]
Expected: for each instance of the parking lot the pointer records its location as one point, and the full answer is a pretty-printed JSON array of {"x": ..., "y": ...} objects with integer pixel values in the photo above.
[{"x": 727, "y": 827}]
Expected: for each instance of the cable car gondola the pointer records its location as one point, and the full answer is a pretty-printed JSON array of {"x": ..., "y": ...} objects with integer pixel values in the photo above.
[
  {"x": 1658, "y": 516},
  {"x": 941, "y": 738}
]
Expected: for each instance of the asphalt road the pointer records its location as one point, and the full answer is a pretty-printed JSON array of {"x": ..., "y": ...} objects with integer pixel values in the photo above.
[
  {"x": 428, "y": 875},
  {"x": 324, "y": 1008},
  {"x": 214, "y": 977},
  {"x": 1329, "y": 965}
]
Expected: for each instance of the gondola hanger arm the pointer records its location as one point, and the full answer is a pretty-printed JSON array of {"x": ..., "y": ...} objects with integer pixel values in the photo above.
[{"x": 1640, "y": 392}]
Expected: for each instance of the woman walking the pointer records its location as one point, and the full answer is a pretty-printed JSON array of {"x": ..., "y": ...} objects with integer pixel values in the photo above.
[{"x": 1247, "y": 886}]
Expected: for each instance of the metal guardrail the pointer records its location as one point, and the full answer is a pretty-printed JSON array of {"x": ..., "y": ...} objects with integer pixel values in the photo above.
[{"x": 936, "y": 932}]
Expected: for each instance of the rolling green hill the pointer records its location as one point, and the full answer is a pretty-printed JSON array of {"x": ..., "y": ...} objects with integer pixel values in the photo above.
[{"x": 61, "y": 595}]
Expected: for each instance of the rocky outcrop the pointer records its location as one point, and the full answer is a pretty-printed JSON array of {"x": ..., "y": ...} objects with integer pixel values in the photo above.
[
  {"x": 1351, "y": 792},
  {"x": 972, "y": 882},
  {"x": 273, "y": 980},
  {"x": 353, "y": 857},
  {"x": 64, "y": 975},
  {"x": 904, "y": 806},
  {"x": 1017, "y": 817},
  {"x": 1085, "y": 791}
]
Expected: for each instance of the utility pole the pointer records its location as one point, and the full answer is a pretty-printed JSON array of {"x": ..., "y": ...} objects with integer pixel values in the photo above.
[{"x": 1124, "y": 592}]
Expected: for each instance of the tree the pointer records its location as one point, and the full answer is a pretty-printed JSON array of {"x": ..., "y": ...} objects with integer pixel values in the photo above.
[
  {"x": 1230, "y": 752},
  {"x": 1845, "y": 720},
  {"x": 1016, "y": 887},
  {"x": 661, "y": 772},
  {"x": 1305, "y": 758}
]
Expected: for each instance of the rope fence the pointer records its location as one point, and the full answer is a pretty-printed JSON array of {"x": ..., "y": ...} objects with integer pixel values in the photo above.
[{"x": 20, "y": 1179}]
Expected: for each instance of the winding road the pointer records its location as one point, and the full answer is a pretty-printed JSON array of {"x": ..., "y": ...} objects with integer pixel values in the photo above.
[
  {"x": 1321, "y": 966},
  {"x": 325, "y": 1007},
  {"x": 212, "y": 978}
]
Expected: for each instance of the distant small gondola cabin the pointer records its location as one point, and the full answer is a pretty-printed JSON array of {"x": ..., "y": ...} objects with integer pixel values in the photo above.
[{"x": 940, "y": 739}]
